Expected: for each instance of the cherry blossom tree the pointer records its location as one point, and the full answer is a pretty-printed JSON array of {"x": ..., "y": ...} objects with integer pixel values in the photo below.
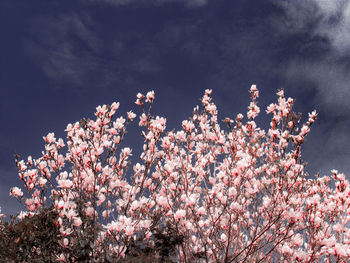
[{"x": 221, "y": 191}]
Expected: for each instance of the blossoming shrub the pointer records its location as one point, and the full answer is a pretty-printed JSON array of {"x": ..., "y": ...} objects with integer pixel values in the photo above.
[{"x": 228, "y": 192}]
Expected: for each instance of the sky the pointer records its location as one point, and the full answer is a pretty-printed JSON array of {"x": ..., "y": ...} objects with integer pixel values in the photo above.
[{"x": 59, "y": 59}]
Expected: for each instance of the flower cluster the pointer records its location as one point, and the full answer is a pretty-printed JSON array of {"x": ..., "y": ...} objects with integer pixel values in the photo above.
[{"x": 234, "y": 194}]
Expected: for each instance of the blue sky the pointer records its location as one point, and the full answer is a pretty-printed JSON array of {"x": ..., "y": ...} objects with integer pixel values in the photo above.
[{"x": 60, "y": 59}]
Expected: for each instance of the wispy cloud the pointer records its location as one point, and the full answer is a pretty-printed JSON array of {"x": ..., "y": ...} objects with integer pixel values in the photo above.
[
  {"x": 63, "y": 47},
  {"x": 328, "y": 19},
  {"x": 70, "y": 51},
  {"x": 320, "y": 22}
]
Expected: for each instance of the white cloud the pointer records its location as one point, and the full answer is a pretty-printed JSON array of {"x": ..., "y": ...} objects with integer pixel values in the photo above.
[
  {"x": 334, "y": 23},
  {"x": 328, "y": 21},
  {"x": 325, "y": 18}
]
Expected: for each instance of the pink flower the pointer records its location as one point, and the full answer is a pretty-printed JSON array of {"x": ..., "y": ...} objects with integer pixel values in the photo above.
[
  {"x": 77, "y": 221},
  {"x": 223, "y": 238},
  {"x": 50, "y": 138},
  {"x": 254, "y": 110},
  {"x": 129, "y": 230},
  {"x": 271, "y": 108},
  {"x": 1, "y": 215},
  {"x": 150, "y": 96},
  {"x": 22, "y": 215},
  {"x": 131, "y": 115},
  {"x": 266, "y": 201},
  {"x": 61, "y": 258},
  {"x": 101, "y": 199},
  {"x": 115, "y": 226},
  {"x": 65, "y": 183},
  {"x": 115, "y": 106},
  {"x": 208, "y": 92},
  {"x": 138, "y": 102},
  {"x": 66, "y": 232},
  {"x": 280, "y": 93},
  {"x": 119, "y": 123},
  {"x": 89, "y": 211},
  {"x": 211, "y": 108},
  {"x": 135, "y": 204},
  {"x": 16, "y": 192},
  {"x": 60, "y": 205},
  {"x": 180, "y": 214},
  {"x": 65, "y": 242},
  {"x": 286, "y": 249},
  {"x": 143, "y": 120},
  {"x": 187, "y": 125},
  {"x": 254, "y": 92},
  {"x": 126, "y": 151},
  {"x": 312, "y": 116},
  {"x": 71, "y": 214},
  {"x": 42, "y": 182},
  {"x": 162, "y": 201},
  {"x": 201, "y": 211}
]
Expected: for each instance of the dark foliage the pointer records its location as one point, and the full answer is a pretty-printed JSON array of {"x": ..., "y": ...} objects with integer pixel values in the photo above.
[
  {"x": 165, "y": 240},
  {"x": 32, "y": 239},
  {"x": 38, "y": 239}
]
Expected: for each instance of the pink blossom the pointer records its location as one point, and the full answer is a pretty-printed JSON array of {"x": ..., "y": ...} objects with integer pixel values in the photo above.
[
  {"x": 65, "y": 242},
  {"x": 187, "y": 125},
  {"x": 42, "y": 182},
  {"x": 254, "y": 92},
  {"x": 162, "y": 201},
  {"x": 16, "y": 192},
  {"x": 150, "y": 96},
  {"x": 77, "y": 221},
  {"x": 22, "y": 215},
  {"x": 61, "y": 258},
  {"x": 131, "y": 115},
  {"x": 65, "y": 183},
  {"x": 138, "y": 102},
  {"x": 135, "y": 204},
  {"x": 50, "y": 138},
  {"x": 201, "y": 211},
  {"x": 65, "y": 231},
  {"x": 115, "y": 106},
  {"x": 254, "y": 111},
  {"x": 119, "y": 123},
  {"x": 115, "y": 226},
  {"x": 223, "y": 238},
  {"x": 126, "y": 151},
  {"x": 60, "y": 204},
  {"x": 71, "y": 214},
  {"x": 143, "y": 120},
  {"x": 286, "y": 249},
  {"x": 280, "y": 93},
  {"x": 129, "y": 230},
  {"x": 180, "y": 214}
]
